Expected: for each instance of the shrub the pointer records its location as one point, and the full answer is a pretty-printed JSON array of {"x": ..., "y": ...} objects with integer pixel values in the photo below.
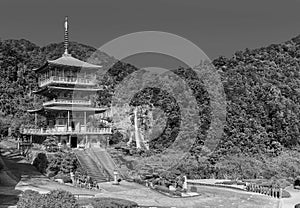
[
  {"x": 297, "y": 206},
  {"x": 297, "y": 182},
  {"x": 41, "y": 162},
  {"x": 30, "y": 199},
  {"x": 285, "y": 194},
  {"x": 177, "y": 193},
  {"x": 139, "y": 181},
  {"x": 54, "y": 199},
  {"x": 108, "y": 202},
  {"x": 115, "y": 138},
  {"x": 69, "y": 163},
  {"x": 62, "y": 162},
  {"x": 51, "y": 144},
  {"x": 59, "y": 198},
  {"x": 283, "y": 183}
]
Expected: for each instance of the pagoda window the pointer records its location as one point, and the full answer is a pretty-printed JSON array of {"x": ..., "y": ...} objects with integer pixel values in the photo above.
[
  {"x": 59, "y": 73},
  {"x": 80, "y": 75},
  {"x": 61, "y": 121},
  {"x": 73, "y": 74},
  {"x": 67, "y": 73}
]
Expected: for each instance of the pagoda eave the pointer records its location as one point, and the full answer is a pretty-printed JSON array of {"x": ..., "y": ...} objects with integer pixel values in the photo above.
[
  {"x": 48, "y": 90},
  {"x": 67, "y": 108},
  {"x": 68, "y": 61}
]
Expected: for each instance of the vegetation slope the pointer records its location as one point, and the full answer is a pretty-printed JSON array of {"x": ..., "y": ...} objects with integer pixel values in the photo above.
[{"x": 262, "y": 87}]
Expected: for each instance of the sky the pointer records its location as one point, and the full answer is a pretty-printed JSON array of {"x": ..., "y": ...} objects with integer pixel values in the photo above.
[{"x": 218, "y": 27}]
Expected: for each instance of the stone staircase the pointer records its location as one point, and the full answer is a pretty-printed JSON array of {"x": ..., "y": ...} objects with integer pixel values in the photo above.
[
  {"x": 124, "y": 165},
  {"x": 94, "y": 169},
  {"x": 104, "y": 158}
]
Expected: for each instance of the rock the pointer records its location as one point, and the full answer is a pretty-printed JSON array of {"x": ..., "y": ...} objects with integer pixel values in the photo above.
[
  {"x": 172, "y": 188},
  {"x": 59, "y": 180}
]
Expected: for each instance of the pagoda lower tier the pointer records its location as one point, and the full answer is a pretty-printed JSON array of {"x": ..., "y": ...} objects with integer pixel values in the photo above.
[{"x": 72, "y": 125}]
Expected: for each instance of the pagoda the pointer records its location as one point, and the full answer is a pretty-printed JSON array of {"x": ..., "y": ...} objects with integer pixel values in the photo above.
[{"x": 69, "y": 85}]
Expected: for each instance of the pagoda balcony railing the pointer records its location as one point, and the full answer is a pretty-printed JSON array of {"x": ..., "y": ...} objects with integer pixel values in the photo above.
[
  {"x": 69, "y": 102},
  {"x": 54, "y": 131},
  {"x": 66, "y": 80}
]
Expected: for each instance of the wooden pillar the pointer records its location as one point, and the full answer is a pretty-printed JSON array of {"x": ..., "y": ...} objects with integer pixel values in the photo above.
[
  {"x": 85, "y": 121},
  {"x": 107, "y": 141},
  {"x": 35, "y": 119},
  {"x": 70, "y": 140},
  {"x": 68, "y": 121}
]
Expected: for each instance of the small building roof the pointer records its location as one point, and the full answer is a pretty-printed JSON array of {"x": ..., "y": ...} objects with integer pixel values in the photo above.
[
  {"x": 68, "y": 60},
  {"x": 67, "y": 108}
]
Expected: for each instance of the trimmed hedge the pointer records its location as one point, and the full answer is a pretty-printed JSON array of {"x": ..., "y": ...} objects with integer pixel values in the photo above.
[
  {"x": 107, "y": 202},
  {"x": 232, "y": 183}
]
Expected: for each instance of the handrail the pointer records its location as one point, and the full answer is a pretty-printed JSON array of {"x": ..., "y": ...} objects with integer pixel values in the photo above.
[
  {"x": 53, "y": 130},
  {"x": 58, "y": 79},
  {"x": 60, "y": 101}
]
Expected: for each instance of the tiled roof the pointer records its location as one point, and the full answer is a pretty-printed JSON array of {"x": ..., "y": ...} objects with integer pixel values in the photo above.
[{"x": 68, "y": 60}]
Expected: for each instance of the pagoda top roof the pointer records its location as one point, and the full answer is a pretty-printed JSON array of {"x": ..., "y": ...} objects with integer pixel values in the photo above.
[{"x": 68, "y": 60}]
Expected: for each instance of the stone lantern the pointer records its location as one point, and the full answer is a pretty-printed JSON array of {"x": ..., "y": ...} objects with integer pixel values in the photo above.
[{"x": 116, "y": 178}]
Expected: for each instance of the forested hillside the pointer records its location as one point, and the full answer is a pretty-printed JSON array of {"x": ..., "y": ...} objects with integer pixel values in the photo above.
[{"x": 262, "y": 87}]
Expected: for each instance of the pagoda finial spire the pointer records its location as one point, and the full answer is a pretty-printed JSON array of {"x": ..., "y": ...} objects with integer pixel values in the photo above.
[{"x": 66, "y": 41}]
